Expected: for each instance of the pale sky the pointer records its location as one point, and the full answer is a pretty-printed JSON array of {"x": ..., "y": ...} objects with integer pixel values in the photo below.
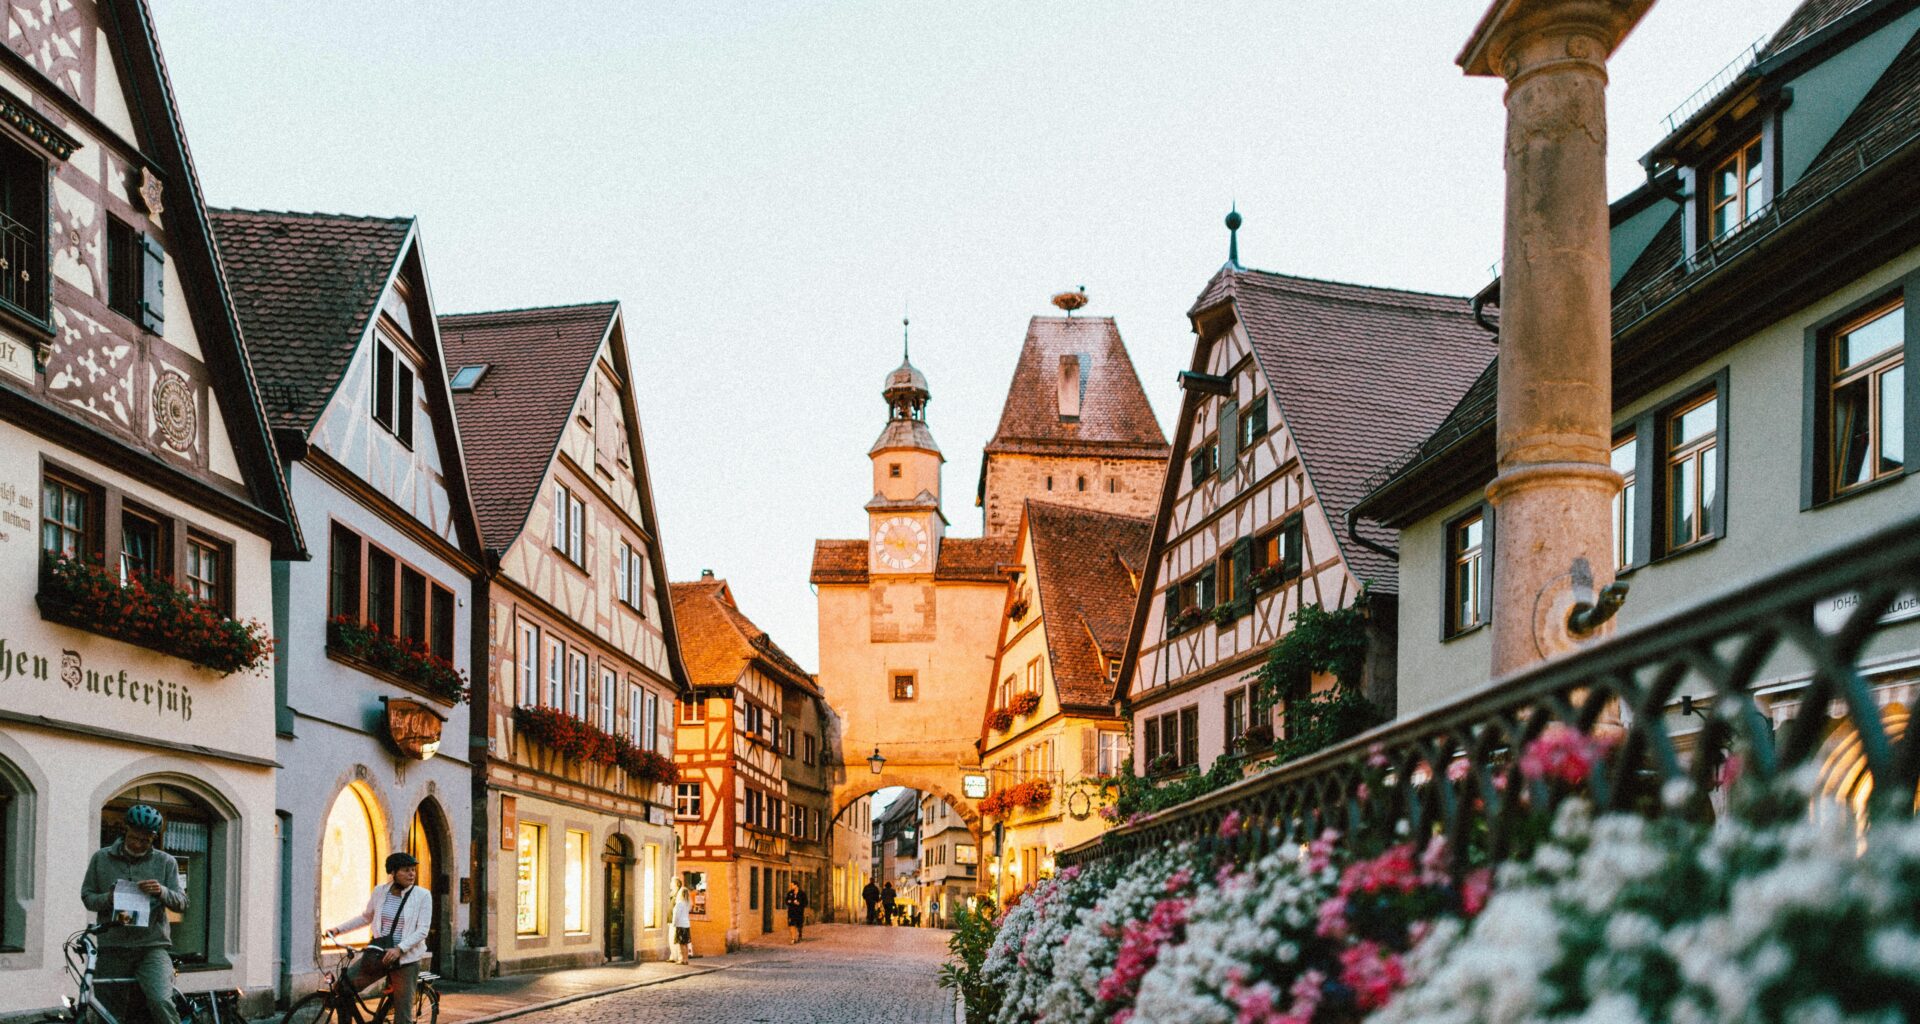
[{"x": 765, "y": 186}]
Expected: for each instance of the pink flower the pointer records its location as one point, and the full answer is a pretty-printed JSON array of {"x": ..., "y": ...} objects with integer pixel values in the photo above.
[
  {"x": 1433, "y": 863},
  {"x": 1562, "y": 754},
  {"x": 1475, "y": 889},
  {"x": 1179, "y": 880},
  {"x": 1459, "y": 769},
  {"x": 1373, "y": 973},
  {"x": 1377, "y": 756},
  {"x": 1320, "y": 851},
  {"x": 1140, "y": 945},
  {"x": 1392, "y": 871},
  {"x": 1730, "y": 771},
  {"x": 1332, "y": 920},
  {"x": 1232, "y": 825}
]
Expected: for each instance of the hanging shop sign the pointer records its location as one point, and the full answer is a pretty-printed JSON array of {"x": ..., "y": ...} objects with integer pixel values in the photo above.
[
  {"x": 413, "y": 728},
  {"x": 974, "y": 787}
]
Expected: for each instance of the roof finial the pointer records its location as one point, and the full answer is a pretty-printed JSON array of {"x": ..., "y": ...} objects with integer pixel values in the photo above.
[
  {"x": 905, "y": 322},
  {"x": 1233, "y": 236}
]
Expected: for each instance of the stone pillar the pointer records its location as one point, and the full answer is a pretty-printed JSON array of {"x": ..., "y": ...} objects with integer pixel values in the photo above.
[{"x": 1552, "y": 495}]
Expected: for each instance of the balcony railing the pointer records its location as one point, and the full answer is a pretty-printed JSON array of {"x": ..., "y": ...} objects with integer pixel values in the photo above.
[
  {"x": 1775, "y": 670},
  {"x": 20, "y": 268}
]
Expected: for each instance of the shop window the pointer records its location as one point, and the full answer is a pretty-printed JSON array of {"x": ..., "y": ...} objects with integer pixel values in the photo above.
[
  {"x": 195, "y": 836},
  {"x": 529, "y": 879},
  {"x": 1469, "y": 572},
  {"x": 350, "y": 860},
  {"x": 16, "y": 801},
  {"x": 1862, "y": 399},
  {"x": 576, "y": 920},
  {"x": 649, "y": 881}
]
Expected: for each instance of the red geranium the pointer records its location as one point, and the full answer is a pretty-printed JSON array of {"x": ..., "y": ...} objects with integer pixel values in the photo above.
[{"x": 151, "y": 611}]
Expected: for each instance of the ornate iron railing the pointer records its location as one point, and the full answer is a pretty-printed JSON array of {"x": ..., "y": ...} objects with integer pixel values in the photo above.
[
  {"x": 20, "y": 262},
  {"x": 1773, "y": 669}
]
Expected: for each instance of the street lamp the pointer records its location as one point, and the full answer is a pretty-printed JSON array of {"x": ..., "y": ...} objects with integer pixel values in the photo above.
[{"x": 876, "y": 762}]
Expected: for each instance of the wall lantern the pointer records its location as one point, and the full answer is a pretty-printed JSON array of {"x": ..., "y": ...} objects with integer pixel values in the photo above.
[{"x": 876, "y": 762}]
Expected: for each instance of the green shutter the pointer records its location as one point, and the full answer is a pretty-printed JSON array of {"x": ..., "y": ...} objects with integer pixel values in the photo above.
[
  {"x": 1242, "y": 569},
  {"x": 1198, "y": 465},
  {"x": 1173, "y": 607},
  {"x": 1229, "y": 438},
  {"x": 1290, "y": 547},
  {"x": 1206, "y": 587}
]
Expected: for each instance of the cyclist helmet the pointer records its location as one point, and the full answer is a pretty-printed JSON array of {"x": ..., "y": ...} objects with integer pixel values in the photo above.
[{"x": 144, "y": 818}]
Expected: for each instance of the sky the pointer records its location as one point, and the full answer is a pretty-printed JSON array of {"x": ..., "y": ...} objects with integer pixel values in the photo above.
[{"x": 767, "y": 187}]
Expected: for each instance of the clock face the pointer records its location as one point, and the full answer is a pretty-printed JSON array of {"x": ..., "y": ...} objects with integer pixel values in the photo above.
[{"x": 900, "y": 543}]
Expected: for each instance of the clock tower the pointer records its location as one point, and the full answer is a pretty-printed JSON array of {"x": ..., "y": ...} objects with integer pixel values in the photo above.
[{"x": 904, "y": 524}]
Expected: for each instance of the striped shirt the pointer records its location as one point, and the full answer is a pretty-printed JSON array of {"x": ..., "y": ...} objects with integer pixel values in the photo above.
[{"x": 388, "y": 911}]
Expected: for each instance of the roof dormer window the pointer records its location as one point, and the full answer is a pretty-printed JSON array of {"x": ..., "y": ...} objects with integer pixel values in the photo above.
[
  {"x": 1737, "y": 189},
  {"x": 467, "y": 378}
]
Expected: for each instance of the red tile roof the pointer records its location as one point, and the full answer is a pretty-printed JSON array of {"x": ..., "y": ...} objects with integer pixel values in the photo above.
[
  {"x": 1360, "y": 374},
  {"x": 305, "y": 285},
  {"x": 718, "y": 642},
  {"x": 976, "y": 559},
  {"x": 1085, "y": 567},
  {"x": 1115, "y": 418},
  {"x": 511, "y": 422},
  {"x": 1807, "y": 19}
]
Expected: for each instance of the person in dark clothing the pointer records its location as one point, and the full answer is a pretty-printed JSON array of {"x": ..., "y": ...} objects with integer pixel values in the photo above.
[
  {"x": 119, "y": 879},
  {"x": 796, "y": 902},
  {"x": 872, "y": 895},
  {"x": 887, "y": 896}
]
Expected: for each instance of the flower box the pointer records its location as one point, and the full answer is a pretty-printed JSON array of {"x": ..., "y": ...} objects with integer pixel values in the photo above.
[
  {"x": 1222, "y": 615},
  {"x": 1024, "y": 704},
  {"x": 406, "y": 660},
  {"x": 1188, "y": 618},
  {"x": 576, "y": 740},
  {"x": 152, "y": 612},
  {"x": 1268, "y": 578},
  {"x": 1000, "y": 719}
]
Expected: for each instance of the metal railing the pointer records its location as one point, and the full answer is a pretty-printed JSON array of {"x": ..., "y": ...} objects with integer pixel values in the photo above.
[
  {"x": 20, "y": 267},
  {"x": 1773, "y": 669},
  {"x": 1721, "y": 79}
]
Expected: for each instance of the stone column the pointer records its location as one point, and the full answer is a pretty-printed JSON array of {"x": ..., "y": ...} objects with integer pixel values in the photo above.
[{"x": 1552, "y": 495}]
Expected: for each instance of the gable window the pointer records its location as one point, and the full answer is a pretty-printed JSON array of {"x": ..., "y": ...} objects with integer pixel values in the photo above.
[
  {"x": 810, "y": 750},
  {"x": 893, "y": 470},
  {"x": 569, "y": 525},
  {"x": 1692, "y": 477},
  {"x": 693, "y": 710},
  {"x": 1113, "y": 670},
  {"x": 1033, "y": 677},
  {"x": 1469, "y": 573},
  {"x": 467, "y": 378},
  {"x": 1738, "y": 189},
  {"x": 1204, "y": 461},
  {"x": 1006, "y": 692},
  {"x": 23, "y": 230},
  {"x": 686, "y": 800},
  {"x": 1626, "y": 456},
  {"x": 136, "y": 269},
  {"x": 1866, "y": 398},
  {"x": 392, "y": 391},
  {"x": 1276, "y": 553},
  {"x": 1253, "y": 422},
  {"x": 630, "y": 571}
]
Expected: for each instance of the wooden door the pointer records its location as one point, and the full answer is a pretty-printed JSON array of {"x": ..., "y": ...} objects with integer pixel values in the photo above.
[{"x": 615, "y": 859}]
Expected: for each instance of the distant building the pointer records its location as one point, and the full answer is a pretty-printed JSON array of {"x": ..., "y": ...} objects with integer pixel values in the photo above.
[
  {"x": 852, "y": 846},
  {"x": 949, "y": 861}
]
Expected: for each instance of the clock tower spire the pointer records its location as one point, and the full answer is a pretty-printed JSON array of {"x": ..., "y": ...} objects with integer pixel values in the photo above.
[{"x": 903, "y": 519}]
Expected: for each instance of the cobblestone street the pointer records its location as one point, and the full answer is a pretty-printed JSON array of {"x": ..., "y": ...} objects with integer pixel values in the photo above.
[{"x": 850, "y": 973}]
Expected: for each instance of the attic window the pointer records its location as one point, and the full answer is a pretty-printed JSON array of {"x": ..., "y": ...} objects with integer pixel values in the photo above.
[
  {"x": 1738, "y": 189},
  {"x": 467, "y": 378},
  {"x": 1071, "y": 385}
]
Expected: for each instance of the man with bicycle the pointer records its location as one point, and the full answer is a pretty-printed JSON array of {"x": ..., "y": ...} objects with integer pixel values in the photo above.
[
  {"x": 139, "y": 944},
  {"x": 401, "y": 914}
]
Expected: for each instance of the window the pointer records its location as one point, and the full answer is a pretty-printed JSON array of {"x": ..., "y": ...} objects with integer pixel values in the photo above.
[
  {"x": 1204, "y": 461},
  {"x": 569, "y": 522},
  {"x": 440, "y": 634},
  {"x": 810, "y": 750},
  {"x": 903, "y": 686},
  {"x": 893, "y": 470},
  {"x": 1033, "y": 677},
  {"x": 136, "y": 268},
  {"x": 692, "y": 709},
  {"x": 1626, "y": 457},
  {"x": 753, "y": 887},
  {"x": 202, "y": 847},
  {"x": 1236, "y": 715},
  {"x": 413, "y": 604},
  {"x": 393, "y": 399},
  {"x": 1692, "y": 490},
  {"x": 1110, "y": 752},
  {"x": 1006, "y": 692},
  {"x": 650, "y": 727},
  {"x": 577, "y": 685},
  {"x": 1738, "y": 186},
  {"x": 142, "y": 545},
  {"x": 686, "y": 800},
  {"x": 610, "y": 699},
  {"x": 1866, "y": 390},
  {"x": 1190, "y": 735},
  {"x": 529, "y": 695},
  {"x": 1113, "y": 670},
  {"x": 1468, "y": 572},
  {"x": 556, "y": 659},
  {"x": 467, "y": 378},
  {"x": 66, "y": 519},
  {"x": 380, "y": 584},
  {"x": 1279, "y": 547},
  {"x": 1253, "y": 422},
  {"x": 23, "y": 230},
  {"x": 630, "y": 572},
  {"x": 575, "y": 909},
  {"x": 206, "y": 572},
  {"x": 343, "y": 573}
]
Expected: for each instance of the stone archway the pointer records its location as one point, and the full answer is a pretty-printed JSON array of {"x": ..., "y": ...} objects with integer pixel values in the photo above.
[
  {"x": 867, "y": 784},
  {"x": 843, "y": 894}
]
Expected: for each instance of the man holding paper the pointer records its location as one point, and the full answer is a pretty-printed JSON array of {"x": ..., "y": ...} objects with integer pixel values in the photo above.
[{"x": 134, "y": 884}]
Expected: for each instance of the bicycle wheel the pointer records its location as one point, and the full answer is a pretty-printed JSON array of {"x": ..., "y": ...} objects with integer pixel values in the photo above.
[
  {"x": 426, "y": 1004},
  {"x": 314, "y": 1008}
]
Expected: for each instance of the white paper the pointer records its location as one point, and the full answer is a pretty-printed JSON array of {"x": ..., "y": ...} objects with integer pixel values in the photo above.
[{"x": 130, "y": 905}]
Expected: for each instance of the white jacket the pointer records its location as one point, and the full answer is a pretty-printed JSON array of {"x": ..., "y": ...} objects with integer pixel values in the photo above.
[{"x": 415, "y": 919}]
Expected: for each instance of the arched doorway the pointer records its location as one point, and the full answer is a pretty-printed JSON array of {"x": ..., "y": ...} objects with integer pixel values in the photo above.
[
  {"x": 615, "y": 859},
  {"x": 194, "y": 834},
  {"x": 1844, "y": 776},
  {"x": 427, "y": 842},
  {"x": 351, "y": 857}
]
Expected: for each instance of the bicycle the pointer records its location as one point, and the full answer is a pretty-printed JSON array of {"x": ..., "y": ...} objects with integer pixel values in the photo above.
[
  {"x": 337, "y": 1002},
  {"x": 82, "y": 954}
]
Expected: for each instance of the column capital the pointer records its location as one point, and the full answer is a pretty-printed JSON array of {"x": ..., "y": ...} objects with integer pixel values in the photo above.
[{"x": 1508, "y": 39}]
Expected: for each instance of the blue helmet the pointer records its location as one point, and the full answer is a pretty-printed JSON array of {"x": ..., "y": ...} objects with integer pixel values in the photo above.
[{"x": 144, "y": 818}]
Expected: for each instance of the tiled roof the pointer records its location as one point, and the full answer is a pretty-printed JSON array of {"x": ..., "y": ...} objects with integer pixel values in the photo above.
[
  {"x": 1114, "y": 415},
  {"x": 1810, "y": 17},
  {"x": 976, "y": 559},
  {"x": 305, "y": 286},
  {"x": 1360, "y": 375},
  {"x": 1085, "y": 565},
  {"x": 718, "y": 642},
  {"x": 511, "y": 422}
]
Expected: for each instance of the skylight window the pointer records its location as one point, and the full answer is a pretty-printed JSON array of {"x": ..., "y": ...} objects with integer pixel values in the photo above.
[{"x": 468, "y": 377}]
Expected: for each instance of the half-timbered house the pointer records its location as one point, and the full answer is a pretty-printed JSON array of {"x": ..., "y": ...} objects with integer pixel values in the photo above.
[
  {"x": 375, "y": 631},
  {"x": 741, "y": 825},
  {"x": 1298, "y": 390},
  {"x": 138, "y": 490},
  {"x": 573, "y": 738}
]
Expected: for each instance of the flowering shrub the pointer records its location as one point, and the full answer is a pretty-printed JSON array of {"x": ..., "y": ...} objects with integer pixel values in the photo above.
[
  {"x": 1024, "y": 703},
  {"x": 576, "y": 740},
  {"x": 1000, "y": 719},
  {"x": 1112, "y": 946},
  {"x": 1033, "y": 793},
  {"x": 151, "y": 611},
  {"x": 1020, "y": 962},
  {"x": 403, "y": 656}
]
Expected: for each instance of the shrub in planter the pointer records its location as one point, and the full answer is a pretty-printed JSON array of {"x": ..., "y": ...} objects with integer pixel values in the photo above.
[
  {"x": 153, "y": 612},
  {"x": 995, "y": 803},
  {"x": 1188, "y": 618},
  {"x": 1000, "y": 719},
  {"x": 1031, "y": 794},
  {"x": 566, "y": 735},
  {"x": 1221, "y": 614},
  {"x": 1257, "y": 739},
  {"x": 1024, "y": 703},
  {"x": 1268, "y": 578},
  {"x": 404, "y": 657}
]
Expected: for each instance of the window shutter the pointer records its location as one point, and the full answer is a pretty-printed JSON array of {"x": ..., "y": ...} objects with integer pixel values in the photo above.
[
  {"x": 153, "y": 284},
  {"x": 403, "y": 405},
  {"x": 1173, "y": 607},
  {"x": 1089, "y": 740},
  {"x": 1206, "y": 587},
  {"x": 1198, "y": 466},
  {"x": 1242, "y": 568},
  {"x": 1229, "y": 438},
  {"x": 1290, "y": 548}
]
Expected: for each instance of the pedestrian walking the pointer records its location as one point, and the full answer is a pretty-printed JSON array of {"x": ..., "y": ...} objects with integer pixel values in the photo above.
[
  {"x": 872, "y": 895},
  {"x": 132, "y": 884},
  {"x": 887, "y": 896},
  {"x": 796, "y": 912},
  {"x": 682, "y": 922}
]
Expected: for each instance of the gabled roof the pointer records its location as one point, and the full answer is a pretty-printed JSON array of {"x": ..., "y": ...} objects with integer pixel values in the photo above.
[
  {"x": 969, "y": 559},
  {"x": 512, "y": 420},
  {"x": 1085, "y": 567},
  {"x": 1810, "y": 17},
  {"x": 719, "y": 642},
  {"x": 1114, "y": 417},
  {"x": 305, "y": 285},
  {"x": 1359, "y": 374}
]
